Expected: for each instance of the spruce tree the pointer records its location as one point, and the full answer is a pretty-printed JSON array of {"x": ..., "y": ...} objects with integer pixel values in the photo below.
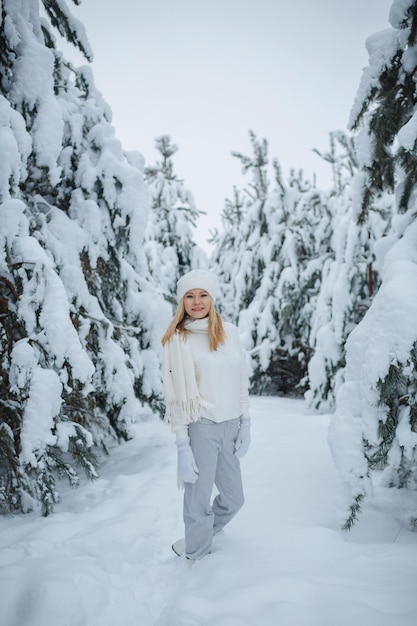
[
  {"x": 79, "y": 321},
  {"x": 226, "y": 251},
  {"x": 349, "y": 277},
  {"x": 271, "y": 257},
  {"x": 374, "y": 427},
  {"x": 286, "y": 297},
  {"x": 169, "y": 246},
  {"x": 249, "y": 263}
]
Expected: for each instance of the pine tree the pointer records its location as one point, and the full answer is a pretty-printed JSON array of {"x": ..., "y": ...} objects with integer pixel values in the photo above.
[
  {"x": 286, "y": 297},
  {"x": 374, "y": 427},
  {"x": 226, "y": 251},
  {"x": 79, "y": 321},
  {"x": 169, "y": 247},
  {"x": 249, "y": 267},
  {"x": 270, "y": 253},
  {"x": 349, "y": 277}
]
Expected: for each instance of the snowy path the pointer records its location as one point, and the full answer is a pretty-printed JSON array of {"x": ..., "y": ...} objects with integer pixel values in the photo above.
[{"x": 104, "y": 558}]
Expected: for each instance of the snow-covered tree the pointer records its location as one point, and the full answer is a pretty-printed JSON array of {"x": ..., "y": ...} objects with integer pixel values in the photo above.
[
  {"x": 272, "y": 259},
  {"x": 348, "y": 277},
  {"x": 226, "y": 250},
  {"x": 236, "y": 248},
  {"x": 375, "y": 423},
  {"x": 241, "y": 262},
  {"x": 169, "y": 246},
  {"x": 79, "y": 322},
  {"x": 280, "y": 315}
]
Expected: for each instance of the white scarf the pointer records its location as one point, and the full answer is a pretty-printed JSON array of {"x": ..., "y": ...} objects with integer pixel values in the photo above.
[{"x": 182, "y": 396}]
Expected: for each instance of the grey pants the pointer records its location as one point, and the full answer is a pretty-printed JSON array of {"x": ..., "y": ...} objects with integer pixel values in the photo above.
[{"x": 213, "y": 448}]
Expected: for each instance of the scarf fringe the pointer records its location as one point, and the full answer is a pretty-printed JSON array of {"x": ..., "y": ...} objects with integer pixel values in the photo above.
[{"x": 189, "y": 410}]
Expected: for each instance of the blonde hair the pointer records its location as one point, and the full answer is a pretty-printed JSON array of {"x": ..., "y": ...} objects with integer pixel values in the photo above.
[{"x": 216, "y": 331}]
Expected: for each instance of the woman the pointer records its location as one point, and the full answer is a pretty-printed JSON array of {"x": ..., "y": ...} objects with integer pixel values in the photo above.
[{"x": 207, "y": 403}]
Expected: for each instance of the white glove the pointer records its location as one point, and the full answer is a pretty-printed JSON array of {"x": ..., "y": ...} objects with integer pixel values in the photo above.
[
  {"x": 243, "y": 438},
  {"x": 187, "y": 467}
]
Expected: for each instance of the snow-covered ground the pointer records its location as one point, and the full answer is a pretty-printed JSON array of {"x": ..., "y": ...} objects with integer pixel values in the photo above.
[{"x": 104, "y": 558}]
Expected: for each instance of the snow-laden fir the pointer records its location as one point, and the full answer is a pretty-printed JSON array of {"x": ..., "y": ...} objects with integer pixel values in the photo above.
[
  {"x": 81, "y": 319},
  {"x": 375, "y": 423},
  {"x": 168, "y": 242}
]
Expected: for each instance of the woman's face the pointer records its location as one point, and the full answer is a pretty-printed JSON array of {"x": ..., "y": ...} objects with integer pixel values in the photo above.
[{"x": 197, "y": 303}]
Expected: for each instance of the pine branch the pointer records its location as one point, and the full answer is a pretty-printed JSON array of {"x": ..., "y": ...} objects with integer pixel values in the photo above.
[
  {"x": 68, "y": 27},
  {"x": 355, "y": 509}
]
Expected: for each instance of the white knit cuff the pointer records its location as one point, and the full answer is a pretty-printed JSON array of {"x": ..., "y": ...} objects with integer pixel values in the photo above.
[{"x": 181, "y": 432}]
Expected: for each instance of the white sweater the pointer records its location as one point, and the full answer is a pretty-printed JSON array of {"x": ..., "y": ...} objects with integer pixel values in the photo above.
[{"x": 221, "y": 377}]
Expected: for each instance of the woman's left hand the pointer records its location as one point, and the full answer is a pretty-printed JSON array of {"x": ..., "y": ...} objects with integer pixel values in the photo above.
[{"x": 243, "y": 438}]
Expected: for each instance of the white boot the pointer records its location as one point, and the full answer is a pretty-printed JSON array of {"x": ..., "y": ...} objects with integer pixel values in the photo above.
[{"x": 179, "y": 547}]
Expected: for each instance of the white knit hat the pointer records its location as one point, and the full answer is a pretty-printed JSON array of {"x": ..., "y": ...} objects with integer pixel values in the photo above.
[{"x": 197, "y": 279}]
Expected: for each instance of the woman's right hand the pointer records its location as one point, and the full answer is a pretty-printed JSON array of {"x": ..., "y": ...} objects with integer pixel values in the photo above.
[{"x": 187, "y": 467}]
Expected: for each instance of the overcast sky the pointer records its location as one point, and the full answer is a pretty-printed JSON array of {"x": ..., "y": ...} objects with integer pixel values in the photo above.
[{"x": 205, "y": 72}]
